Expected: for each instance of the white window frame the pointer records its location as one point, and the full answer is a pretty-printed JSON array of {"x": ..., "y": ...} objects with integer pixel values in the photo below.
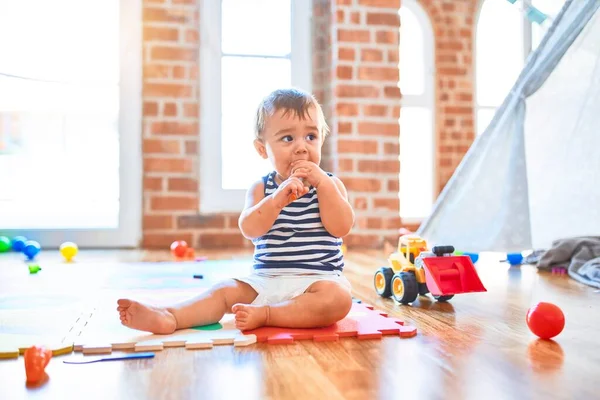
[
  {"x": 427, "y": 99},
  {"x": 129, "y": 232},
  {"x": 213, "y": 198}
]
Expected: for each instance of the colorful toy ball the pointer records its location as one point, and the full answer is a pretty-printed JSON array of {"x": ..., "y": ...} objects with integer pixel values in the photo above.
[
  {"x": 31, "y": 249},
  {"x": 179, "y": 248},
  {"x": 18, "y": 243},
  {"x": 545, "y": 320},
  {"x": 5, "y": 244},
  {"x": 68, "y": 250}
]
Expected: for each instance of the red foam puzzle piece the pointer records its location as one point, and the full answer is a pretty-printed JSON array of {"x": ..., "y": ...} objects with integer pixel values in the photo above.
[{"x": 362, "y": 322}]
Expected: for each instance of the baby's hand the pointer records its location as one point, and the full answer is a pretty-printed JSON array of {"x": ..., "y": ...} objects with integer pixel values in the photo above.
[
  {"x": 290, "y": 190},
  {"x": 313, "y": 173}
]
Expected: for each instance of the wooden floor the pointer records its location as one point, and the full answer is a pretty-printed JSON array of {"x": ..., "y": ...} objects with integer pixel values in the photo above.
[{"x": 475, "y": 347}]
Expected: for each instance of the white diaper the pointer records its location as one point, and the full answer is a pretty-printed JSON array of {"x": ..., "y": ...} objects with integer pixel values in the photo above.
[{"x": 275, "y": 289}]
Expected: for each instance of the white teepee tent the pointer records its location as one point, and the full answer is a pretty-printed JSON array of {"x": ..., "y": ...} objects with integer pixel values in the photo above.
[{"x": 534, "y": 175}]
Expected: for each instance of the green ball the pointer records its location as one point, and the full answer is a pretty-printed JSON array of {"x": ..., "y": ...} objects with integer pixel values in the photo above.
[
  {"x": 5, "y": 244},
  {"x": 458, "y": 253}
]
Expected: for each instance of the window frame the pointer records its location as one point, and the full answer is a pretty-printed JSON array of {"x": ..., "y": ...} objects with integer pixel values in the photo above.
[
  {"x": 425, "y": 100},
  {"x": 213, "y": 198}
]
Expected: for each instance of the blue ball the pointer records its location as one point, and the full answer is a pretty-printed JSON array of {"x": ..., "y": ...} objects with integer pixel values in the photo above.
[
  {"x": 31, "y": 249},
  {"x": 514, "y": 258},
  {"x": 18, "y": 243}
]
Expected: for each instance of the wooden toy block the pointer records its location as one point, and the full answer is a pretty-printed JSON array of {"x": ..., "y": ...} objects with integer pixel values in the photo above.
[{"x": 363, "y": 322}]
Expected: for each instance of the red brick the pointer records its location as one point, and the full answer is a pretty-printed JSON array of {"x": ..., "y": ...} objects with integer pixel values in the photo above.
[
  {"x": 157, "y": 222},
  {"x": 174, "y": 128},
  {"x": 355, "y": 18},
  {"x": 354, "y": 36},
  {"x": 357, "y": 146},
  {"x": 363, "y": 241},
  {"x": 362, "y": 184},
  {"x": 346, "y": 165},
  {"x": 179, "y": 72},
  {"x": 150, "y": 109},
  {"x": 393, "y": 55},
  {"x": 192, "y": 36},
  {"x": 347, "y": 109},
  {"x": 168, "y": 165},
  {"x": 170, "y": 110},
  {"x": 392, "y": 92},
  {"x": 378, "y": 128},
  {"x": 344, "y": 72},
  {"x": 182, "y": 185},
  {"x": 151, "y": 14},
  {"x": 173, "y": 53},
  {"x": 167, "y": 90},
  {"x": 389, "y": 19},
  {"x": 392, "y": 204},
  {"x": 191, "y": 147},
  {"x": 191, "y": 110},
  {"x": 361, "y": 203},
  {"x": 344, "y": 127},
  {"x": 156, "y": 71},
  {"x": 190, "y": 2},
  {"x": 459, "y": 110},
  {"x": 379, "y": 166},
  {"x": 464, "y": 97},
  {"x": 161, "y": 33},
  {"x": 340, "y": 16},
  {"x": 392, "y": 222},
  {"x": 373, "y": 55},
  {"x": 387, "y": 37},
  {"x": 174, "y": 203},
  {"x": 391, "y": 148},
  {"x": 369, "y": 222},
  {"x": 360, "y": 91},
  {"x": 154, "y": 146},
  {"x": 346, "y": 54},
  {"x": 375, "y": 110},
  {"x": 393, "y": 185},
  {"x": 380, "y": 3},
  {"x": 451, "y": 71},
  {"x": 153, "y": 184}
]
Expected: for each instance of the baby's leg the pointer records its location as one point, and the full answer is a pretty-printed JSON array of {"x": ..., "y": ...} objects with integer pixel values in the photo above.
[
  {"x": 323, "y": 304},
  {"x": 207, "y": 308}
]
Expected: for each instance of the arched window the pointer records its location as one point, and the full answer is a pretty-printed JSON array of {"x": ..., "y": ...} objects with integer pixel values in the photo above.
[
  {"x": 505, "y": 37},
  {"x": 417, "y": 113},
  {"x": 241, "y": 61}
]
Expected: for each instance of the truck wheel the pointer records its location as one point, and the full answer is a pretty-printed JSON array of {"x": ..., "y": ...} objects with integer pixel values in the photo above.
[
  {"x": 383, "y": 281},
  {"x": 423, "y": 289},
  {"x": 404, "y": 287},
  {"x": 443, "y": 299}
]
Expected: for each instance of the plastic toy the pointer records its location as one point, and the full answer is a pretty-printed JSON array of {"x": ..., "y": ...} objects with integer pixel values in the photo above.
[
  {"x": 5, "y": 244},
  {"x": 31, "y": 249},
  {"x": 179, "y": 248},
  {"x": 18, "y": 243},
  {"x": 34, "y": 269},
  {"x": 68, "y": 250},
  {"x": 36, "y": 360},
  {"x": 545, "y": 320},
  {"x": 514, "y": 258},
  {"x": 415, "y": 271}
]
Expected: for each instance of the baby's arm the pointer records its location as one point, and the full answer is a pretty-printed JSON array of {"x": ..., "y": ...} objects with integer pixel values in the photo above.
[
  {"x": 259, "y": 212},
  {"x": 337, "y": 214}
]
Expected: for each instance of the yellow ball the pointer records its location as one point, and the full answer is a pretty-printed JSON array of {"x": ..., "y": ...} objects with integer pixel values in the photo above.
[{"x": 68, "y": 250}]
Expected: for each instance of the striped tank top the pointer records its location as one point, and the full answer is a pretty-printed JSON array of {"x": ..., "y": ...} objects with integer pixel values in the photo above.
[{"x": 297, "y": 243}]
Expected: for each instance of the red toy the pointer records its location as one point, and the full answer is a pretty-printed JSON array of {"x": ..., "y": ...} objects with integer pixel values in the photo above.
[
  {"x": 36, "y": 360},
  {"x": 545, "y": 320},
  {"x": 179, "y": 248}
]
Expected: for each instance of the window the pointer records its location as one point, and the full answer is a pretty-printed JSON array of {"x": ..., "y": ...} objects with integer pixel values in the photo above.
[
  {"x": 69, "y": 121},
  {"x": 416, "y": 113},
  {"x": 505, "y": 37},
  {"x": 249, "y": 48}
]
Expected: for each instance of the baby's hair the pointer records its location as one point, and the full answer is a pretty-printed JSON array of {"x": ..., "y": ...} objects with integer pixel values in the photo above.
[{"x": 290, "y": 100}]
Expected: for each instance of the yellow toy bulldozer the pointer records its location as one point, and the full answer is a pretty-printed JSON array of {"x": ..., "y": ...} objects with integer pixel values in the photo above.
[{"x": 416, "y": 271}]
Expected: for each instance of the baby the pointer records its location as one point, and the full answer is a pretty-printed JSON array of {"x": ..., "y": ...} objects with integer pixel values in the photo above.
[{"x": 296, "y": 216}]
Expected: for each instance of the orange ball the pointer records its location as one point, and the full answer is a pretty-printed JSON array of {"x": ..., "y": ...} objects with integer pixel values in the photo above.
[
  {"x": 179, "y": 248},
  {"x": 545, "y": 320}
]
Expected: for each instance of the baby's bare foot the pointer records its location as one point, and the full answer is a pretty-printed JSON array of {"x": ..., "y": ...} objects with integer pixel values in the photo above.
[
  {"x": 146, "y": 318},
  {"x": 249, "y": 317}
]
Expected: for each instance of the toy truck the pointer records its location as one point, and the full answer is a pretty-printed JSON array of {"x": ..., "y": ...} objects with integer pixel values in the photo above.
[{"x": 415, "y": 271}]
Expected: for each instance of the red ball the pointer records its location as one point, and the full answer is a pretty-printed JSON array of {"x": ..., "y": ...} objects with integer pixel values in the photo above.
[
  {"x": 545, "y": 320},
  {"x": 179, "y": 248}
]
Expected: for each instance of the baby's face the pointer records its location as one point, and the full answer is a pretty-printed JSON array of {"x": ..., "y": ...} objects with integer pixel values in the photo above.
[{"x": 288, "y": 138}]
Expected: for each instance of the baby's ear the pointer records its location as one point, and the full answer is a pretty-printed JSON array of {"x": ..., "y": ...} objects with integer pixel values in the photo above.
[{"x": 260, "y": 148}]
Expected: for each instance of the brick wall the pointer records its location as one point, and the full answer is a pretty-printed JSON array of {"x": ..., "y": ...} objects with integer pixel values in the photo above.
[{"x": 355, "y": 78}]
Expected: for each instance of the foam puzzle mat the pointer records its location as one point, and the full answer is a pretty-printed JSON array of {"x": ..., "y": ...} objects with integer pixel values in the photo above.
[{"x": 84, "y": 318}]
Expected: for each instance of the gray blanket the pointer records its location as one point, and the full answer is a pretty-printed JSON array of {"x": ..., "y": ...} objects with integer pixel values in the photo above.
[{"x": 580, "y": 255}]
